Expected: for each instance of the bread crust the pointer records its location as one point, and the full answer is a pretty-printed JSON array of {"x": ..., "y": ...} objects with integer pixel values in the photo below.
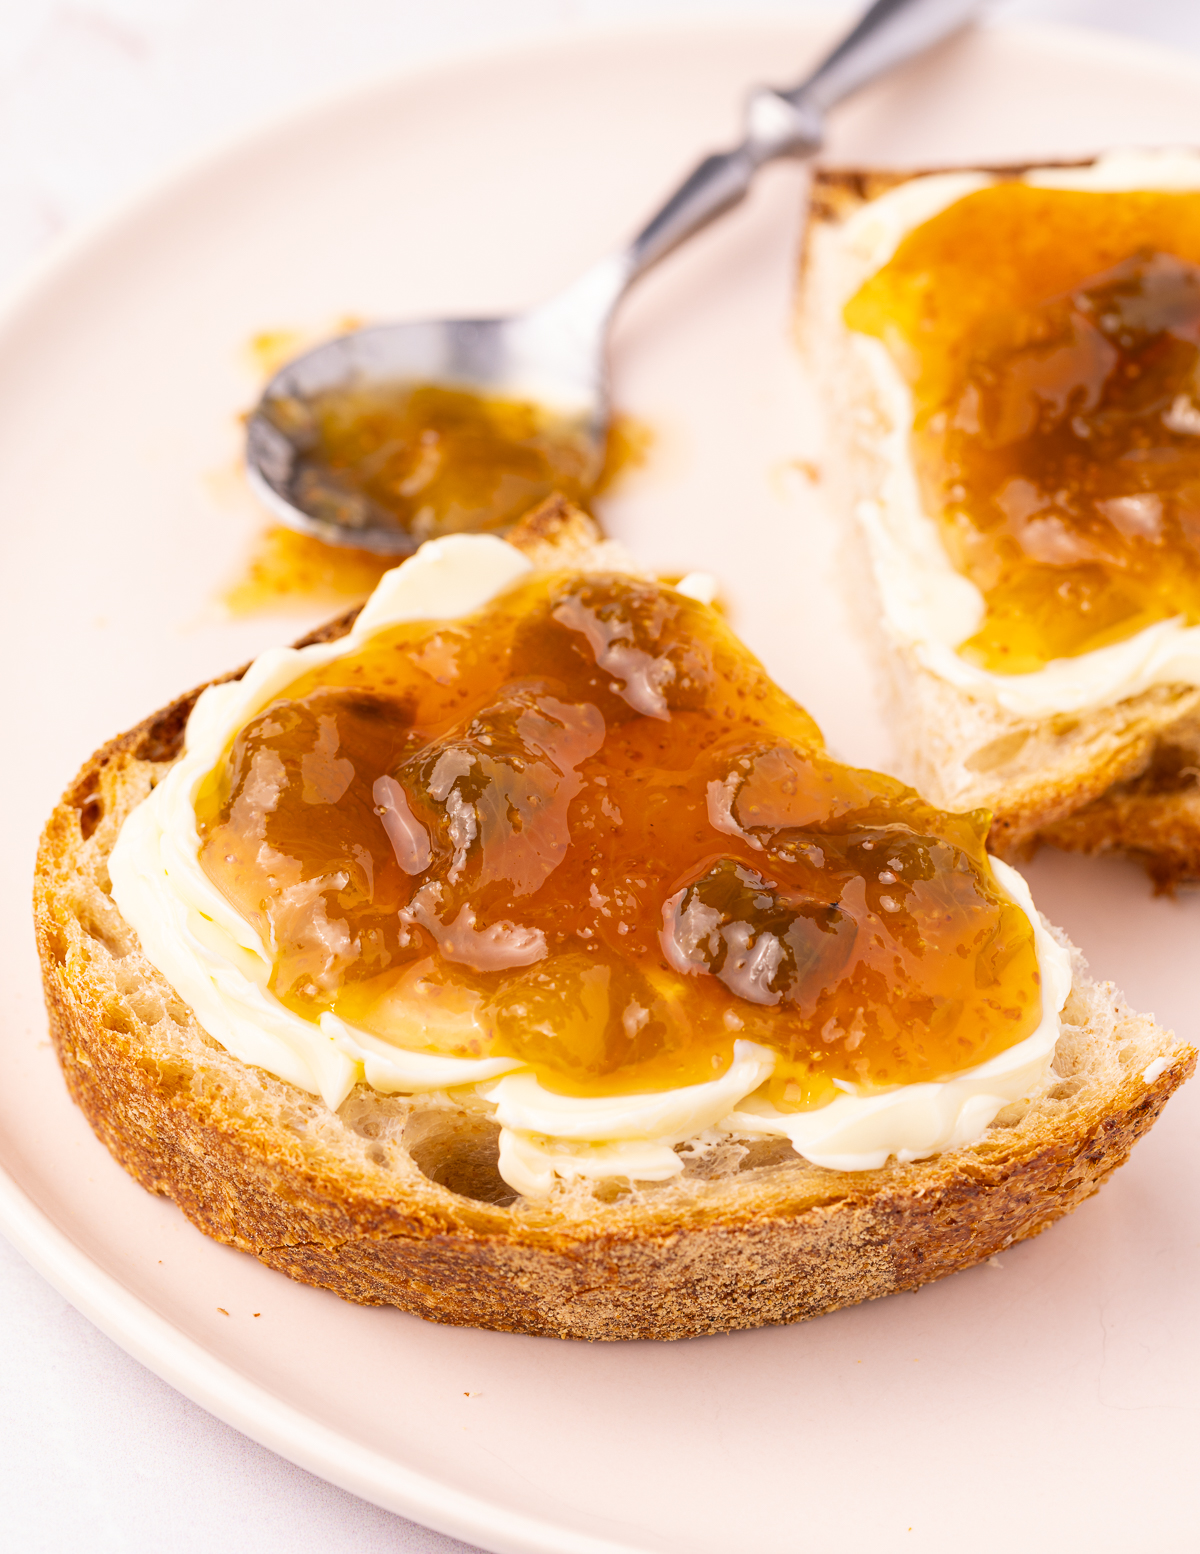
[
  {"x": 259, "y": 1165},
  {"x": 1123, "y": 778}
]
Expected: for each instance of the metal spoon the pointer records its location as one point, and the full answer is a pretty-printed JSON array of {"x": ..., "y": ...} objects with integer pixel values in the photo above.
[{"x": 554, "y": 355}]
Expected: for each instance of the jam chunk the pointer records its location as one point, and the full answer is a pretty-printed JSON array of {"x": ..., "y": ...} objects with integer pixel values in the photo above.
[
  {"x": 585, "y": 829},
  {"x": 1052, "y": 340}
]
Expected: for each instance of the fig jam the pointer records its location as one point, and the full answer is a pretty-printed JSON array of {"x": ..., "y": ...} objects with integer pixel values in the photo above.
[
  {"x": 1052, "y": 342},
  {"x": 425, "y": 460},
  {"x": 583, "y": 827}
]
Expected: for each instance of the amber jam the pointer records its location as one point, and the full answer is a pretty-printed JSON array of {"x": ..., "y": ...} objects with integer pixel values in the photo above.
[
  {"x": 426, "y": 460},
  {"x": 582, "y": 827},
  {"x": 285, "y": 566},
  {"x": 1052, "y": 341}
]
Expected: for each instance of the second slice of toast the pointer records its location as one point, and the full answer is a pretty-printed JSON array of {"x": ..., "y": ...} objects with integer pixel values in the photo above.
[{"x": 1120, "y": 775}]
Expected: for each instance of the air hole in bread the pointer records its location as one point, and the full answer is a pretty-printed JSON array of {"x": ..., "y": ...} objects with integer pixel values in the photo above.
[
  {"x": 84, "y": 789},
  {"x": 87, "y": 802},
  {"x": 172, "y": 1076},
  {"x": 707, "y": 1157},
  {"x": 163, "y": 740},
  {"x": 1011, "y": 1116},
  {"x": 146, "y": 1005},
  {"x": 90, "y": 816},
  {"x": 460, "y": 1153},
  {"x": 611, "y": 1189},
  {"x": 56, "y": 944},
  {"x": 1066, "y": 1090},
  {"x": 95, "y": 932},
  {"x": 114, "y": 1018},
  {"x": 766, "y": 1152},
  {"x": 1172, "y": 768},
  {"x": 998, "y": 752}
]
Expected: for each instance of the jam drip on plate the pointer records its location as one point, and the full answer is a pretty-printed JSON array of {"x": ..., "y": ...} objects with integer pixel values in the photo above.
[
  {"x": 1057, "y": 424},
  {"x": 583, "y": 828}
]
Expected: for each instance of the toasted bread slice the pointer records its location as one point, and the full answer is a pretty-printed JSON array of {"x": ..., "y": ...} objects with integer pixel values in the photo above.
[
  {"x": 1123, "y": 776},
  {"x": 396, "y": 1199}
]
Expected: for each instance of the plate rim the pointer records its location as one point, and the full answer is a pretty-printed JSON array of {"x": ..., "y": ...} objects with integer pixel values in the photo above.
[
  {"x": 251, "y": 1408},
  {"x": 91, "y": 231},
  {"x": 123, "y": 1316}
]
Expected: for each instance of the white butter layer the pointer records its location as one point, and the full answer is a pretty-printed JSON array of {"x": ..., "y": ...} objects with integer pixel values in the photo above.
[
  {"x": 218, "y": 964},
  {"x": 927, "y": 604},
  {"x": 210, "y": 954}
]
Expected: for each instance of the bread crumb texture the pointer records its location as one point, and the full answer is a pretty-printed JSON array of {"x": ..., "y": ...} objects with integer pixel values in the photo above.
[
  {"x": 1121, "y": 778},
  {"x": 398, "y": 1200}
]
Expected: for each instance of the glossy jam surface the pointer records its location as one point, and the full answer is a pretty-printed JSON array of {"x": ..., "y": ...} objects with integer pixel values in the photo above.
[
  {"x": 584, "y": 828},
  {"x": 286, "y": 566},
  {"x": 1052, "y": 342},
  {"x": 428, "y": 461}
]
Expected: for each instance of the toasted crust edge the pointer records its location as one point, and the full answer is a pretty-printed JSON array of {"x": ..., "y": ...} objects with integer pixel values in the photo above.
[{"x": 773, "y": 1268}]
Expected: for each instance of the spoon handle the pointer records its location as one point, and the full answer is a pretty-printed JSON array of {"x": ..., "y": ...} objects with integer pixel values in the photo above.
[{"x": 789, "y": 121}]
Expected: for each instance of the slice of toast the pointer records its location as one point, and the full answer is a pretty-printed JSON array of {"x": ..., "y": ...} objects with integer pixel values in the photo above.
[
  {"x": 397, "y": 1199},
  {"x": 1123, "y": 776}
]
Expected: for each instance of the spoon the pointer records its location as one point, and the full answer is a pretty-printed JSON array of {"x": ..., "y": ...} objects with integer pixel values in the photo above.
[{"x": 554, "y": 355}]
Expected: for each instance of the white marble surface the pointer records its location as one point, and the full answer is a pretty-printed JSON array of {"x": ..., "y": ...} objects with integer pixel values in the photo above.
[{"x": 97, "y": 97}]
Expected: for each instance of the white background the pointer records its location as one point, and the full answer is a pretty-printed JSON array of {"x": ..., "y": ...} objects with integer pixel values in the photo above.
[{"x": 97, "y": 97}]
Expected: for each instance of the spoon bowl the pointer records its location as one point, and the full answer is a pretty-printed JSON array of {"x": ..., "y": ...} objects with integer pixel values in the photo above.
[{"x": 551, "y": 356}]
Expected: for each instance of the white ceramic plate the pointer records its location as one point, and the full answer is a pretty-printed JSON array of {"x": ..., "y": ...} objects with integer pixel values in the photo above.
[{"x": 1042, "y": 1401}]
